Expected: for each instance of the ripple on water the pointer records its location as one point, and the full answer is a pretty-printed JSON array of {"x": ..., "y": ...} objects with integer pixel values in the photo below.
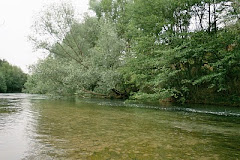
[
  {"x": 17, "y": 122},
  {"x": 224, "y": 111},
  {"x": 104, "y": 129}
]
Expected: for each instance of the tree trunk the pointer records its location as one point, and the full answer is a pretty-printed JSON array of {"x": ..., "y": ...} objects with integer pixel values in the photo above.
[{"x": 209, "y": 17}]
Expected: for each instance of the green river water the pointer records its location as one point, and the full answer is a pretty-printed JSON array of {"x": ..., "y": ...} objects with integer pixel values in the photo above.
[{"x": 35, "y": 128}]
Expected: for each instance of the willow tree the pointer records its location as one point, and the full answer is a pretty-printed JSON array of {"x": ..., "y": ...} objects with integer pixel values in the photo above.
[
  {"x": 83, "y": 56},
  {"x": 51, "y": 28}
]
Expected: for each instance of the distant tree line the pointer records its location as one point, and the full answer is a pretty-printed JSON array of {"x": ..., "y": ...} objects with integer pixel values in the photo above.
[
  {"x": 12, "y": 78},
  {"x": 185, "y": 50}
]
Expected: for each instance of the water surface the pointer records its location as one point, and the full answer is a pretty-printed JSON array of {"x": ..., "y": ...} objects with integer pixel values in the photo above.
[{"x": 33, "y": 127}]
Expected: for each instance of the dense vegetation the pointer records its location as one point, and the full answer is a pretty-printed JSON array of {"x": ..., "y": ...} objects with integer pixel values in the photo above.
[
  {"x": 12, "y": 78},
  {"x": 186, "y": 50}
]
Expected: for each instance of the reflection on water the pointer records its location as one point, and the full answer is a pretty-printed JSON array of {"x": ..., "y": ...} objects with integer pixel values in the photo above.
[
  {"x": 16, "y": 125},
  {"x": 32, "y": 127}
]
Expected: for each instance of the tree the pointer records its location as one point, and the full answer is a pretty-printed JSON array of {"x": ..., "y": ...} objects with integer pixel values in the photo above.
[
  {"x": 54, "y": 32},
  {"x": 170, "y": 58},
  {"x": 83, "y": 61},
  {"x": 147, "y": 50},
  {"x": 12, "y": 78},
  {"x": 3, "y": 86}
]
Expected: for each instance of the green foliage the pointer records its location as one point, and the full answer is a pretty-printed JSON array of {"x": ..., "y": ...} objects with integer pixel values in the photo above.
[
  {"x": 12, "y": 78},
  {"x": 173, "y": 62},
  {"x": 146, "y": 50},
  {"x": 3, "y": 85},
  {"x": 202, "y": 61},
  {"x": 84, "y": 62}
]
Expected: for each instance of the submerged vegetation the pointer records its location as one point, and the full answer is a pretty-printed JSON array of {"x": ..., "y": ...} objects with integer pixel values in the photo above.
[
  {"x": 182, "y": 51},
  {"x": 12, "y": 78}
]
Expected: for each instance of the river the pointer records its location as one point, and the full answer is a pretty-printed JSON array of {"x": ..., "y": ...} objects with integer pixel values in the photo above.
[{"x": 34, "y": 127}]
